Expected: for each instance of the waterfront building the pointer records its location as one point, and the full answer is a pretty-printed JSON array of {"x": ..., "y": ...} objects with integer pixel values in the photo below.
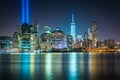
[
  {"x": 69, "y": 41},
  {"x": 89, "y": 33},
  {"x": 84, "y": 45},
  {"x": 55, "y": 39},
  {"x": 25, "y": 37},
  {"x": 85, "y": 37},
  {"x": 5, "y": 42},
  {"x": 102, "y": 44},
  {"x": 110, "y": 43},
  {"x": 46, "y": 36},
  {"x": 85, "y": 40},
  {"x": 16, "y": 40},
  {"x": 73, "y": 29},
  {"x": 90, "y": 37},
  {"x": 94, "y": 34},
  {"x": 45, "y": 44},
  {"x": 99, "y": 44},
  {"x": 118, "y": 44},
  {"x": 89, "y": 43},
  {"x": 58, "y": 39},
  {"x": 106, "y": 43},
  {"x": 34, "y": 37},
  {"x": 79, "y": 41}
]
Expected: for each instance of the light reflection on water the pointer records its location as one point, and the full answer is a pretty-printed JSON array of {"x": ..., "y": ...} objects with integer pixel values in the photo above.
[
  {"x": 25, "y": 66},
  {"x": 60, "y": 66},
  {"x": 73, "y": 66},
  {"x": 48, "y": 66}
]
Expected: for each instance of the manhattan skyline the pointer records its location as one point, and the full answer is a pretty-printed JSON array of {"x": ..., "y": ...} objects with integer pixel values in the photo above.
[{"x": 57, "y": 14}]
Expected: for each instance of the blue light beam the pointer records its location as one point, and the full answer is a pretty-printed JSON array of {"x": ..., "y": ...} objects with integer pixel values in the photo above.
[{"x": 25, "y": 11}]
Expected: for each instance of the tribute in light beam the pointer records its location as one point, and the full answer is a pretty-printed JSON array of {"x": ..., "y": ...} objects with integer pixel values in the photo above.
[{"x": 25, "y": 11}]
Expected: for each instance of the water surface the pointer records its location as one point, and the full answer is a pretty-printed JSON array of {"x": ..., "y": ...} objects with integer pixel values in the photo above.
[{"x": 60, "y": 66}]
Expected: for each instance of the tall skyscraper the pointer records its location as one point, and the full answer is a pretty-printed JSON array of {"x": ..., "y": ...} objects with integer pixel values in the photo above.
[
  {"x": 16, "y": 40},
  {"x": 25, "y": 37},
  {"x": 73, "y": 28},
  {"x": 94, "y": 33},
  {"x": 25, "y": 11},
  {"x": 34, "y": 36},
  {"x": 89, "y": 32}
]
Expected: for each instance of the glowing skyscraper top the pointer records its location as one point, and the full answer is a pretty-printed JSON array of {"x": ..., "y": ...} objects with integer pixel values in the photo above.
[
  {"x": 72, "y": 18},
  {"x": 25, "y": 11},
  {"x": 73, "y": 27}
]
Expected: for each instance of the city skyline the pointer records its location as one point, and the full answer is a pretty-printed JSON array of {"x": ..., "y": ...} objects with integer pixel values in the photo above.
[{"x": 57, "y": 14}]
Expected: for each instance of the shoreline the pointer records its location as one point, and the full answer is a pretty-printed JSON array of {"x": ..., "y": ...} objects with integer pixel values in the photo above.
[{"x": 74, "y": 50}]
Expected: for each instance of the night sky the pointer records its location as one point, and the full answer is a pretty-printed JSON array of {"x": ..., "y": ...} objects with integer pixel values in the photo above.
[{"x": 57, "y": 14}]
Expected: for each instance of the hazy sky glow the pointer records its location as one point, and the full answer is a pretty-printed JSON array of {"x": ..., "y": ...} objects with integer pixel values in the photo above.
[{"x": 57, "y": 14}]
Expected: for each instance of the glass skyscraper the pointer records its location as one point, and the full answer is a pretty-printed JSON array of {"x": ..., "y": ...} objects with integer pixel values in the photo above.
[{"x": 73, "y": 28}]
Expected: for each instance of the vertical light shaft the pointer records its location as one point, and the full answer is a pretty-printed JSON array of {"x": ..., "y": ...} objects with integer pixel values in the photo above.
[{"x": 25, "y": 11}]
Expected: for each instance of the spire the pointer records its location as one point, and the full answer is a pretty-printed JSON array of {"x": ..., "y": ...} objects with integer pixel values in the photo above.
[{"x": 72, "y": 18}]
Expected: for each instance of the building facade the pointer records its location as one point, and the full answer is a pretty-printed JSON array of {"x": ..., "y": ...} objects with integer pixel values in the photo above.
[
  {"x": 73, "y": 29},
  {"x": 25, "y": 37},
  {"x": 16, "y": 40},
  {"x": 5, "y": 42}
]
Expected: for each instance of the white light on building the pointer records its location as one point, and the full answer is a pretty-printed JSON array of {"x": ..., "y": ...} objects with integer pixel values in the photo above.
[{"x": 73, "y": 28}]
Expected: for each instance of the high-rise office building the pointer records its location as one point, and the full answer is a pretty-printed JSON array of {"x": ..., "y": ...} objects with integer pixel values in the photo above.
[
  {"x": 45, "y": 43},
  {"x": 58, "y": 39},
  {"x": 94, "y": 33},
  {"x": 25, "y": 29},
  {"x": 89, "y": 33},
  {"x": 30, "y": 37},
  {"x": 69, "y": 41},
  {"x": 5, "y": 42},
  {"x": 73, "y": 29},
  {"x": 16, "y": 40},
  {"x": 25, "y": 37}
]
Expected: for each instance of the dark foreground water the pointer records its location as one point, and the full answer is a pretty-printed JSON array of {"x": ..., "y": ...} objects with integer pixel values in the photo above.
[{"x": 60, "y": 66}]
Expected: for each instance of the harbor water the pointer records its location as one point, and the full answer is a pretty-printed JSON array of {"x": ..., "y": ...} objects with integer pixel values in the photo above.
[{"x": 60, "y": 66}]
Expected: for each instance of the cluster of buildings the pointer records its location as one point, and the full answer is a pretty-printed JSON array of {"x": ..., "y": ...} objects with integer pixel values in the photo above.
[
  {"x": 90, "y": 41},
  {"x": 25, "y": 40},
  {"x": 30, "y": 39}
]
